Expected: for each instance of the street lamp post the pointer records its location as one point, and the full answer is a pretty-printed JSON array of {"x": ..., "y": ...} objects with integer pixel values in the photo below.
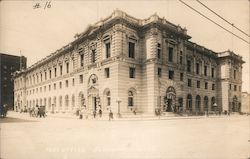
[{"x": 119, "y": 101}]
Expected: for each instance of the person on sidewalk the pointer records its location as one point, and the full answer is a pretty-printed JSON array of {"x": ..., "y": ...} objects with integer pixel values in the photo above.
[
  {"x": 110, "y": 115},
  {"x": 100, "y": 113}
]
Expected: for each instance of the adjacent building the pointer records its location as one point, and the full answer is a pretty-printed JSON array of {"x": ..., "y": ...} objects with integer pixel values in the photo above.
[
  {"x": 123, "y": 64},
  {"x": 8, "y": 65},
  {"x": 245, "y": 97}
]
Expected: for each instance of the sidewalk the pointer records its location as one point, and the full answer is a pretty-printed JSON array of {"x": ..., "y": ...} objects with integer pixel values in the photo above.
[{"x": 125, "y": 117}]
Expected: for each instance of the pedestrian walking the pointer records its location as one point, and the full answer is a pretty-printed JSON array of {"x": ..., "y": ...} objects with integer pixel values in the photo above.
[
  {"x": 94, "y": 113},
  {"x": 100, "y": 113},
  {"x": 110, "y": 115}
]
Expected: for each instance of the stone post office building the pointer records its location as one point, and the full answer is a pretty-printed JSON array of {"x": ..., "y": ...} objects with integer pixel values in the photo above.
[{"x": 142, "y": 64}]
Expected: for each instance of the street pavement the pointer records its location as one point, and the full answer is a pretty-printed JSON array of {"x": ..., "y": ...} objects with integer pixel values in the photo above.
[{"x": 67, "y": 137}]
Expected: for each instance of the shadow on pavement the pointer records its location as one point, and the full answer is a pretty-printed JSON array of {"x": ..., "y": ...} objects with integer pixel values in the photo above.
[{"x": 14, "y": 120}]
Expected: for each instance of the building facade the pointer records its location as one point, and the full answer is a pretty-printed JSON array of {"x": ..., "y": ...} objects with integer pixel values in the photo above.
[
  {"x": 8, "y": 65},
  {"x": 245, "y": 98},
  {"x": 123, "y": 64}
]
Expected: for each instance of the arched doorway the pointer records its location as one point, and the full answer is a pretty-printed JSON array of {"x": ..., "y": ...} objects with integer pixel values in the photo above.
[
  {"x": 235, "y": 104},
  {"x": 189, "y": 102},
  {"x": 93, "y": 93},
  {"x": 206, "y": 103},
  {"x": 170, "y": 100},
  {"x": 198, "y": 103}
]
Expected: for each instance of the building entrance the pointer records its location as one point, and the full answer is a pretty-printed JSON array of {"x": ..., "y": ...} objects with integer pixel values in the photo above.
[{"x": 170, "y": 100}]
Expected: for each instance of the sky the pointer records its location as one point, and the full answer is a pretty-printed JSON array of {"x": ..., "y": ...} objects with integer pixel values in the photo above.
[{"x": 36, "y": 33}]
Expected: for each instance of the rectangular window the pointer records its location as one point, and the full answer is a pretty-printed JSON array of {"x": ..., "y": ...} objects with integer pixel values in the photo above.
[
  {"x": 49, "y": 87},
  {"x": 212, "y": 72},
  {"x": 93, "y": 56},
  {"x": 170, "y": 54},
  {"x": 45, "y": 75},
  {"x": 230, "y": 86},
  {"x": 67, "y": 67},
  {"x": 73, "y": 82},
  {"x": 240, "y": 88},
  {"x": 81, "y": 79},
  {"x": 158, "y": 50},
  {"x": 197, "y": 68},
  {"x": 54, "y": 86},
  {"x": 41, "y": 77},
  {"x": 55, "y": 71},
  {"x": 82, "y": 59},
  {"x": 181, "y": 58},
  {"x": 107, "y": 46},
  {"x": 170, "y": 74},
  {"x": 131, "y": 72},
  {"x": 44, "y": 88},
  {"x": 67, "y": 83},
  {"x": 181, "y": 76},
  {"x": 159, "y": 72},
  {"x": 61, "y": 67},
  {"x": 234, "y": 74},
  {"x": 188, "y": 66},
  {"x": 107, "y": 72},
  {"x": 198, "y": 84},
  {"x": 60, "y": 84},
  {"x": 189, "y": 83},
  {"x": 235, "y": 88},
  {"x": 213, "y": 86},
  {"x": 131, "y": 50},
  {"x": 49, "y": 74},
  {"x": 206, "y": 85},
  {"x": 205, "y": 70}
]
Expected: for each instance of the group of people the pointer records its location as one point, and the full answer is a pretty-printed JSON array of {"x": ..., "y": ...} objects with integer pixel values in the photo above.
[
  {"x": 37, "y": 111},
  {"x": 94, "y": 113},
  {"x": 3, "y": 110}
]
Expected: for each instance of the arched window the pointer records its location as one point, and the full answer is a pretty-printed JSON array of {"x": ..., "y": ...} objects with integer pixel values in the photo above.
[
  {"x": 73, "y": 100},
  {"x": 198, "y": 103},
  {"x": 108, "y": 98},
  {"x": 189, "y": 102},
  {"x": 60, "y": 101},
  {"x": 66, "y": 101},
  {"x": 206, "y": 103},
  {"x": 130, "y": 98}
]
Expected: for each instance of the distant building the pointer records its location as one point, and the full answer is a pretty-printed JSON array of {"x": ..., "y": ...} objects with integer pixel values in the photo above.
[
  {"x": 245, "y": 98},
  {"x": 142, "y": 64},
  {"x": 9, "y": 64}
]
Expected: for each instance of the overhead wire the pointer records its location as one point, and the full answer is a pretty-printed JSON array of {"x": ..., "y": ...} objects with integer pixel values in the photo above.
[{"x": 214, "y": 22}]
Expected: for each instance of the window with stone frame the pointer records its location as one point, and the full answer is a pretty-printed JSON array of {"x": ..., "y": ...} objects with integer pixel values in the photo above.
[
  {"x": 170, "y": 54},
  {"x": 130, "y": 99},
  {"x": 158, "y": 50},
  {"x": 61, "y": 69},
  {"x": 197, "y": 68},
  {"x": 131, "y": 49},
  {"x": 80, "y": 78},
  {"x": 189, "y": 83},
  {"x": 67, "y": 67},
  {"x": 93, "y": 57},
  {"x": 181, "y": 76},
  {"x": 106, "y": 70},
  {"x": 198, "y": 84},
  {"x": 159, "y": 72},
  {"x": 131, "y": 72},
  {"x": 171, "y": 74},
  {"x": 107, "y": 49},
  {"x": 181, "y": 58},
  {"x": 188, "y": 65},
  {"x": 205, "y": 70},
  {"x": 206, "y": 85}
]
